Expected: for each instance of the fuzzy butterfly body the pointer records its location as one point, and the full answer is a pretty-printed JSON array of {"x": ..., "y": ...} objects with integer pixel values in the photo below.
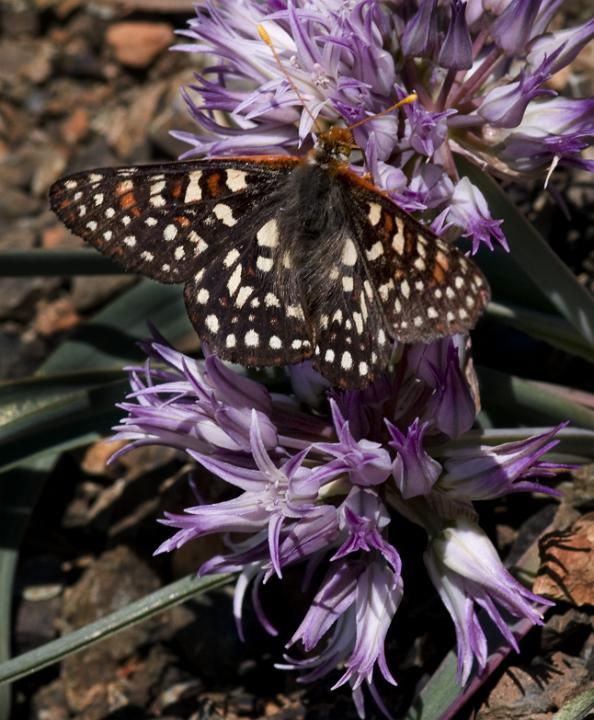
[{"x": 282, "y": 258}]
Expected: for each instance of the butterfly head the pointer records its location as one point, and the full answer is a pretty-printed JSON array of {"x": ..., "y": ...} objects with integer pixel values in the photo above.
[{"x": 334, "y": 145}]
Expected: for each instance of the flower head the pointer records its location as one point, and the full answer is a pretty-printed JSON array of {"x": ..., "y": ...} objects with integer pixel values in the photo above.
[
  {"x": 322, "y": 487},
  {"x": 478, "y": 69},
  {"x": 467, "y": 572}
]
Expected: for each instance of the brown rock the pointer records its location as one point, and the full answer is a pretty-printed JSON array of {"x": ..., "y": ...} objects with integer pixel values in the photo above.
[
  {"x": 56, "y": 316},
  {"x": 58, "y": 236},
  {"x": 90, "y": 292},
  {"x": 76, "y": 126},
  {"x": 567, "y": 572},
  {"x": 137, "y": 44},
  {"x": 51, "y": 163},
  {"x": 95, "y": 458},
  {"x": 126, "y": 128},
  {"x": 536, "y": 692},
  {"x": 18, "y": 295},
  {"x": 90, "y": 678}
]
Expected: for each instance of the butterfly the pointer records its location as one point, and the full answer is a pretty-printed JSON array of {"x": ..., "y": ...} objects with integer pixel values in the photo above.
[{"x": 283, "y": 258}]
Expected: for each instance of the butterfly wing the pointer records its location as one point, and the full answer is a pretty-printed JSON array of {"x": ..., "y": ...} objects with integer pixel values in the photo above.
[
  {"x": 247, "y": 302},
  {"x": 209, "y": 224},
  {"x": 157, "y": 219},
  {"x": 427, "y": 288},
  {"x": 352, "y": 342}
]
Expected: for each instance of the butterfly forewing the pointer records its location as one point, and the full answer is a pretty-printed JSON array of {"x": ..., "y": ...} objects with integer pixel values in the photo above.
[{"x": 157, "y": 219}]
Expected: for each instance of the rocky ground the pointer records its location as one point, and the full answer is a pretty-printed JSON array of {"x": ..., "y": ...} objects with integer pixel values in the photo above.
[{"x": 87, "y": 84}]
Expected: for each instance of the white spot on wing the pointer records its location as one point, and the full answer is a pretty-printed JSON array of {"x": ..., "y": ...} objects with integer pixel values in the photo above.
[
  {"x": 376, "y": 250},
  {"x": 234, "y": 280},
  {"x": 346, "y": 361},
  {"x": 398, "y": 242},
  {"x": 193, "y": 191},
  {"x": 212, "y": 323},
  {"x": 264, "y": 264},
  {"x": 243, "y": 295},
  {"x": 252, "y": 339},
  {"x": 231, "y": 257},
  {"x": 170, "y": 232},
  {"x": 224, "y": 213},
  {"x": 294, "y": 311},
  {"x": 236, "y": 180},
  {"x": 267, "y": 235},
  {"x": 349, "y": 252},
  {"x": 375, "y": 213}
]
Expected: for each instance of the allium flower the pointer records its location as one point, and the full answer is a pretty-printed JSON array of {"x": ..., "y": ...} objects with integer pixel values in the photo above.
[
  {"x": 322, "y": 488},
  {"x": 467, "y": 572},
  {"x": 479, "y": 69}
]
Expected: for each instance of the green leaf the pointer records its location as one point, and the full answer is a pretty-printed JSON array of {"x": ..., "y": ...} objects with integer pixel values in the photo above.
[
  {"x": 578, "y": 708},
  {"x": 515, "y": 401},
  {"x": 136, "y": 612},
  {"x": 551, "y": 328},
  {"x": 69, "y": 422},
  {"x": 535, "y": 257},
  {"x": 21, "y": 399},
  {"x": 25, "y": 263},
  {"x": 8, "y": 561},
  {"x": 439, "y": 693},
  {"x": 575, "y": 444},
  {"x": 110, "y": 338}
]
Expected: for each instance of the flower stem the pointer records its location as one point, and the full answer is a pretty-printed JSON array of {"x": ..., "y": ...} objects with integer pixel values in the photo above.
[{"x": 469, "y": 87}]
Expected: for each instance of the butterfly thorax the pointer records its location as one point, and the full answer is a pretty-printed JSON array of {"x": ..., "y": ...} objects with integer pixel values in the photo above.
[{"x": 334, "y": 146}]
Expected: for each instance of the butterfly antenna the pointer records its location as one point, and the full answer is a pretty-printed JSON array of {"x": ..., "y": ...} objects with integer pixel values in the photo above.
[
  {"x": 266, "y": 37},
  {"x": 405, "y": 101}
]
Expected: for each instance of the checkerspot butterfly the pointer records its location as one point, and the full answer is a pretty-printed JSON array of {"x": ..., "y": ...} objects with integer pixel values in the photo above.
[{"x": 282, "y": 258}]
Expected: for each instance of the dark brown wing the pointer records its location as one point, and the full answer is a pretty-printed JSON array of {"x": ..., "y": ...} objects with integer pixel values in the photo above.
[
  {"x": 427, "y": 288},
  {"x": 156, "y": 220}
]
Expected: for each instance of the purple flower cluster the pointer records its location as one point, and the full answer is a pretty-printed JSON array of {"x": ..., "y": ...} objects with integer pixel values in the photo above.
[
  {"x": 480, "y": 71},
  {"x": 321, "y": 488},
  {"x": 318, "y": 476}
]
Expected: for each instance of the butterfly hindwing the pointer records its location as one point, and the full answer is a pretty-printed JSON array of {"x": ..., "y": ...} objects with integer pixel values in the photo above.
[
  {"x": 246, "y": 301},
  {"x": 352, "y": 345},
  {"x": 427, "y": 288}
]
